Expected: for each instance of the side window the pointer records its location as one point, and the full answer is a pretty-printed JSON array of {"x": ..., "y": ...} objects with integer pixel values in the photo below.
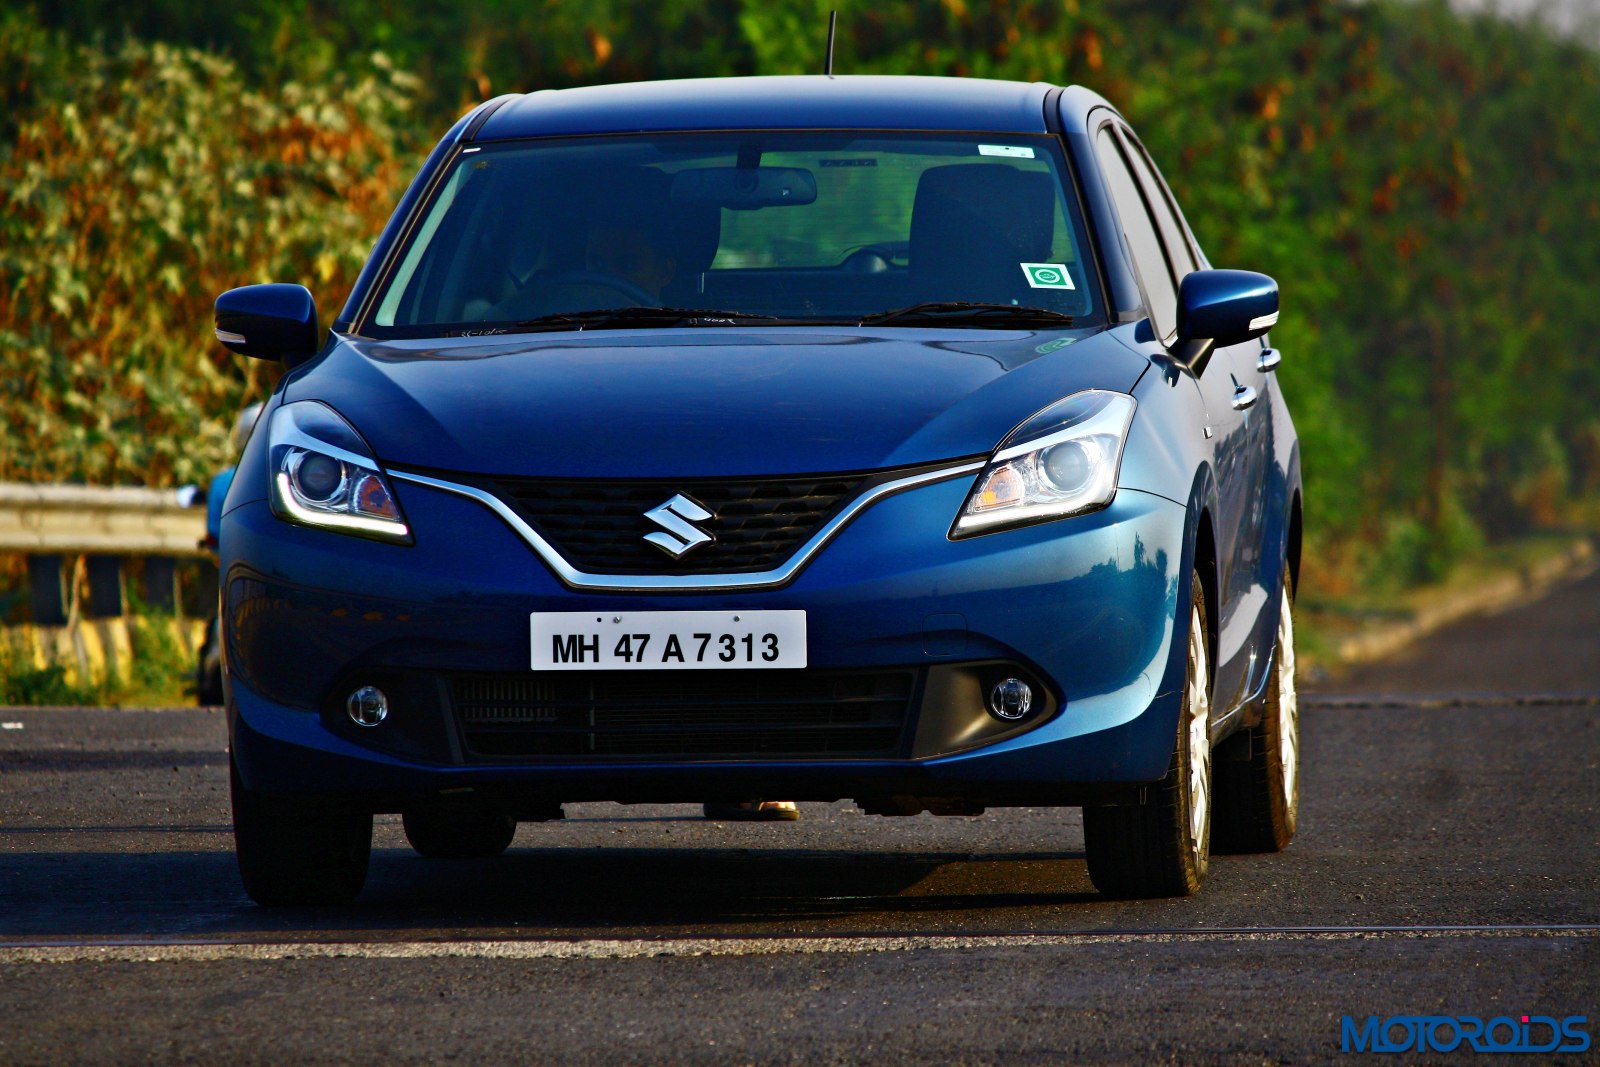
[
  {"x": 1166, "y": 213},
  {"x": 1149, "y": 259}
]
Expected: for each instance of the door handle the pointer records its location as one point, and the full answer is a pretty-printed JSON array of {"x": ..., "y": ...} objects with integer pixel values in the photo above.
[
  {"x": 1270, "y": 358},
  {"x": 1243, "y": 397}
]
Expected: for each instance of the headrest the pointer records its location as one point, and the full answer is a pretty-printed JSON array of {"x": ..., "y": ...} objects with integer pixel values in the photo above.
[
  {"x": 697, "y": 231},
  {"x": 640, "y": 197},
  {"x": 974, "y": 224}
]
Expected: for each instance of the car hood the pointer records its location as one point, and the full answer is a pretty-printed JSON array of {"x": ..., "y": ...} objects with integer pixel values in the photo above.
[{"x": 703, "y": 402}]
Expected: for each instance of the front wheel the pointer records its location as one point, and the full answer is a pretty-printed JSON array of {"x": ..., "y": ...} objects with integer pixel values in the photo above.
[
  {"x": 292, "y": 857},
  {"x": 1161, "y": 847},
  {"x": 1258, "y": 788}
]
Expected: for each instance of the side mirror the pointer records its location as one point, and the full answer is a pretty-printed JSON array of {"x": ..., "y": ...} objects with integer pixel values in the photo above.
[
  {"x": 1218, "y": 308},
  {"x": 273, "y": 321}
]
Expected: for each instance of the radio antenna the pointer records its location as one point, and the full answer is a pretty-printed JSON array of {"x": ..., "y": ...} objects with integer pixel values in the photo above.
[{"x": 833, "y": 25}]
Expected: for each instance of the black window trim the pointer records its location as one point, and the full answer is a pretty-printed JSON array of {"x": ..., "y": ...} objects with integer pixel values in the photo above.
[
  {"x": 1073, "y": 176},
  {"x": 1193, "y": 245},
  {"x": 1115, "y": 124}
]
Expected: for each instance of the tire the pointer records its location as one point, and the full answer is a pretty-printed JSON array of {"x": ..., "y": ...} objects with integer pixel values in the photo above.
[
  {"x": 1162, "y": 846},
  {"x": 1258, "y": 789},
  {"x": 298, "y": 858},
  {"x": 459, "y": 835}
]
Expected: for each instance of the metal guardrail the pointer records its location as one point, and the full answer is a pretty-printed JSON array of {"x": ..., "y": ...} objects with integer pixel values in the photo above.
[
  {"x": 73, "y": 519},
  {"x": 75, "y": 536},
  {"x": 76, "y": 539}
]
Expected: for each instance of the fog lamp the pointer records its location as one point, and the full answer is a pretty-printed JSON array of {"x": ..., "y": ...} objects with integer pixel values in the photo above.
[
  {"x": 367, "y": 706},
  {"x": 1011, "y": 699}
]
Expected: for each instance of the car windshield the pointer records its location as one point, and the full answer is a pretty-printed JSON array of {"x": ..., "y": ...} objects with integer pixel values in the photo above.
[{"x": 749, "y": 226}]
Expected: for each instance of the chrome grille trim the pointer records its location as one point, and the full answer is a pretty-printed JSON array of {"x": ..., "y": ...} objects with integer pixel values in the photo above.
[{"x": 577, "y": 579}]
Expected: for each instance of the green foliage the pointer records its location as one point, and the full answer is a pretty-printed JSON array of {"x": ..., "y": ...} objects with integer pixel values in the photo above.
[
  {"x": 159, "y": 672},
  {"x": 1421, "y": 182},
  {"x": 460, "y": 53},
  {"x": 142, "y": 182},
  {"x": 24, "y": 684},
  {"x": 1430, "y": 174},
  {"x": 22, "y": 681}
]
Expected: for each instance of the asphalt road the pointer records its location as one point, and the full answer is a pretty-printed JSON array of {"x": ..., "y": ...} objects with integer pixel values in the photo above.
[{"x": 1446, "y": 865}]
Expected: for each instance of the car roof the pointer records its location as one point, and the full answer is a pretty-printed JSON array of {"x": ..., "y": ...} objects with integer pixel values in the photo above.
[{"x": 883, "y": 102}]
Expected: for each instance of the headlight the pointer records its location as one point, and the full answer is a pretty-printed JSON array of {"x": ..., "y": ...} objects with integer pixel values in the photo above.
[
  {"x": 1063, "y": 461},
  {"x": 323, "y": 474}
]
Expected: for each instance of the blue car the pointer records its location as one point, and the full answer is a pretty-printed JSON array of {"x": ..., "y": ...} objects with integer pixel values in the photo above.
[{"x": 887, "y": 439}]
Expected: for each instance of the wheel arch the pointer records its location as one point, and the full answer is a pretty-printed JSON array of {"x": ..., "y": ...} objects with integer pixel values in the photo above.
[
  {"x": 1206, "y": 566},
  {"x": 1292, "y": 548}
]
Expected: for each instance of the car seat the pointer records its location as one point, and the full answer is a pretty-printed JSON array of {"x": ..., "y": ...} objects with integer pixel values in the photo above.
[{"x": 973, "y": 225}]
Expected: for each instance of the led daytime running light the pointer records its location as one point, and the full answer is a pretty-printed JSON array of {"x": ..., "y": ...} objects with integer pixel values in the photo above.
[{"x": 388, "y": 529}]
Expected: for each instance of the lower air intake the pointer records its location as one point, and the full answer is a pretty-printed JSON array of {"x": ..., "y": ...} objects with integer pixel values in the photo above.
[{"x": 780, "y": 714}]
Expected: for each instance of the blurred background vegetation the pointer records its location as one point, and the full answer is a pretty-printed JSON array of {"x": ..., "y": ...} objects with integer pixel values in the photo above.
[{"x": 1421, "y": 182}]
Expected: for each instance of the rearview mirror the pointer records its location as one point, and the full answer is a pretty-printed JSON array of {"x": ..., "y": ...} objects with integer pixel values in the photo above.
[
  {"x": 272, "y": 321},
  {"x": 745, "y": 188}
]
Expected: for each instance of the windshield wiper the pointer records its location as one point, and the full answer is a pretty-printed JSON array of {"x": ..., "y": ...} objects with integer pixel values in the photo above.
[
  {"x": 965, "y": 312},
  {"x": 621, "y": 318}
]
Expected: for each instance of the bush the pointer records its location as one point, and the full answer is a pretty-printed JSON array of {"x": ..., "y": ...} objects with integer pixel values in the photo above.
[
  {"x": 158, "y": 672},
  {"x": 24, "y": 682},
  {"x": 139, "y": 183}
]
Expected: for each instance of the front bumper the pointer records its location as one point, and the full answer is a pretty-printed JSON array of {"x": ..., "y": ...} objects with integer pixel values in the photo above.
[{"x": 1086, "y": 608}]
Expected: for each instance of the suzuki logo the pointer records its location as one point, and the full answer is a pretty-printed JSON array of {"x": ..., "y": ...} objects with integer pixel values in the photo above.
[{"x": 678, "y": 516}]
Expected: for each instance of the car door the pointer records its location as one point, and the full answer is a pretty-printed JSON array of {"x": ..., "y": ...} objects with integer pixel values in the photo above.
[
  {"x": 1234, "y": 379},
  {"x": 1229, "y": 389}
]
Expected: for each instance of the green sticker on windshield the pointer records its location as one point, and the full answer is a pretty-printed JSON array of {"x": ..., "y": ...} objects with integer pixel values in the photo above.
[{"x": 1048, "y": 276}]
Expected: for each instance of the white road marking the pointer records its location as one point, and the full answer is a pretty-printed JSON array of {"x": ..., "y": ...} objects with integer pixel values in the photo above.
[
  {"x": 647, "y": 948},
  {"x": 1307, "y": 699}
]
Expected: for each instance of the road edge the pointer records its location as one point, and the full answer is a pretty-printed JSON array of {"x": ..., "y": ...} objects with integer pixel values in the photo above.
[{"x": 1512, "y": 589}]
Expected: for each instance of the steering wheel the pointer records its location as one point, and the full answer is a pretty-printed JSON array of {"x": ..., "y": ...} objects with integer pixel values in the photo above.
[
  {"x": 632, "y": 295},
  {"x": 865, "y": 261}
]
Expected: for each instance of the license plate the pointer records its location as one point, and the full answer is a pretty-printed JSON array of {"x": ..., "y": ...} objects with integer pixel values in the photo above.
[{"x": 668, "y": 640}]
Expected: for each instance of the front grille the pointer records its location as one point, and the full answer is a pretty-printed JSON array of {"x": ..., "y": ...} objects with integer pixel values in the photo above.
[
  {"x": 801, "y": 713},
  {"x": 600, "y": 527}
]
